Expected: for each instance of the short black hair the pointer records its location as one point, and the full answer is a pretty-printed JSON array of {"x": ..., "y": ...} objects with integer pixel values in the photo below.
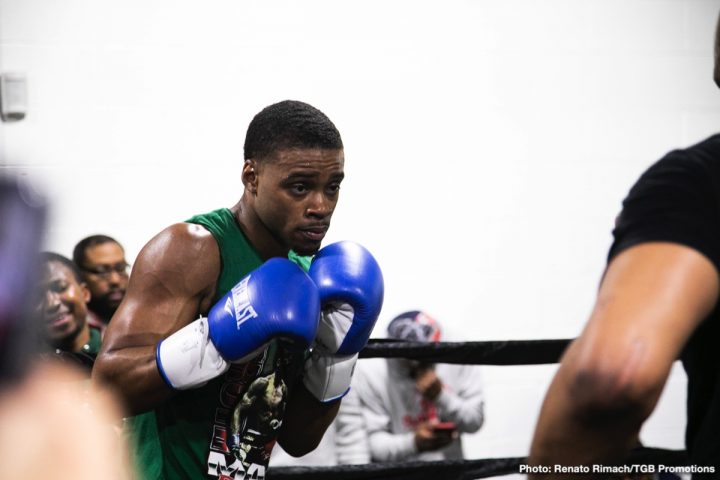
[
  {"x": 290, "y": 124},
  {"x": 47, "y": 257},
  {"x": 87, "y": 242}
]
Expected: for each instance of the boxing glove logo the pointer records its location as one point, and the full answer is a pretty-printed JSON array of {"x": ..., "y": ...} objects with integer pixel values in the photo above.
[{"x": 243, "y": 309}]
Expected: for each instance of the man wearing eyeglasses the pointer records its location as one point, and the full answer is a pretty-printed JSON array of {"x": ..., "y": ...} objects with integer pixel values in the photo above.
[{"x": 101, "y": 260}]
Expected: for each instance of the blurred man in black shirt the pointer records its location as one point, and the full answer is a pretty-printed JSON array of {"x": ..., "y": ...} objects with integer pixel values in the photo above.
[{"x": 657, "y": 302}]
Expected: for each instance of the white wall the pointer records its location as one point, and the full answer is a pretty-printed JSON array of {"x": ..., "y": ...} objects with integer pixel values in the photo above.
[{"x": 489, "y": 143}]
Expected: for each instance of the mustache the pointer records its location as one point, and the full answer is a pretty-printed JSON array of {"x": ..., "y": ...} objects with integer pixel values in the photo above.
[{"x": 110, "y": 292}]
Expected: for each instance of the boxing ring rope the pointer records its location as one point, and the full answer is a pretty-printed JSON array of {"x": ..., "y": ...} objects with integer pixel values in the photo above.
[
  {"x": 451, "y": 469},
  {"x": 515, "y": 352},
  {"x": 511, "y": 352}
]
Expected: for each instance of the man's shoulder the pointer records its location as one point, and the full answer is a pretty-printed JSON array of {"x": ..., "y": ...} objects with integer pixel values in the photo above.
[
  {"x": 705, "y": 152},
  {"x": 694, "y": 169},
  {"x": 371, "y": 382},
  {"x": 234, "y": 246},
  {"x": 182, "y": 251},
  {"x": 181, "y": 242},
  {"x": 712, "y": 142},
  {"x": 221, "y": 218},
  {"x": 184, "y": 235},
  {"x": 372, "y": 371}
]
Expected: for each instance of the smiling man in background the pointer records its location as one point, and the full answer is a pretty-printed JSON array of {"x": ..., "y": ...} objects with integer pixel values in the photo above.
[{"x": 61, "y": 305}]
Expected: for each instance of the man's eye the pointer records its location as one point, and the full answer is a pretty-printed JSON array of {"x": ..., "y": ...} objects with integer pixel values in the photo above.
[
  {"x": 299, "y": 188},
  {"x": 333, "y": 188}
]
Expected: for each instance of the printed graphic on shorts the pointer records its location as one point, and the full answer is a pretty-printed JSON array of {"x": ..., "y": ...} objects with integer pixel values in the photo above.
[
  {"x": 257, "y": 418},
  {"x": 250, "y": 413}
]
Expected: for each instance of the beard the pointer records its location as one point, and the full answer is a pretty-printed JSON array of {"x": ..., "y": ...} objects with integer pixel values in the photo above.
[{"x": 104, "y": 307}]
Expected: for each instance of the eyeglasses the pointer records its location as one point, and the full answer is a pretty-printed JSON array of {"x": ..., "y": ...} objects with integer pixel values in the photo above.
[{"x": 106, "y": 271}]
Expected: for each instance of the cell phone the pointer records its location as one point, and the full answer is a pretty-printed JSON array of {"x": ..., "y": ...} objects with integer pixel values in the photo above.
[
  {"x": 444, "y": 427},
  {"x": 22, "y": 214}
]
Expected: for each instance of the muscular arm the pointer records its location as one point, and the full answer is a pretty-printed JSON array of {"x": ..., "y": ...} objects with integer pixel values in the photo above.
[
  {"x": 305, "y": 422},
  {"x": 652, "y": 298},
  {"x": 173, "y": 279}
]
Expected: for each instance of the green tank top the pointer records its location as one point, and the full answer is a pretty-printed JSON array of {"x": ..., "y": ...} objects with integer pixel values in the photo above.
[{"x": 227, "y": 428}]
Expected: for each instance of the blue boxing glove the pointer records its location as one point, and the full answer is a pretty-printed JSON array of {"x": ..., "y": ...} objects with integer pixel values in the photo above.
[
  {"x": 351, "y": 294},
  {"x": 276, "y": 300}
]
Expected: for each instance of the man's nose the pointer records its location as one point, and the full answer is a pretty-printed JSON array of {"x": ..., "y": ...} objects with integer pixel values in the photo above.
[
  {"x": 52, "y": 301},
  {"x": 115, "y": 277},
  {"x": 319, "y": 205}
]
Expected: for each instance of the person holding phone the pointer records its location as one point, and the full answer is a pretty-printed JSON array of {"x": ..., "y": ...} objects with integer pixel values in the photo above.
[{"x": 415, "y": 410}]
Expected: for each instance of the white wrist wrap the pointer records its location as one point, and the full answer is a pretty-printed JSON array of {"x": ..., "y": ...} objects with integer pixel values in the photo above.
[
  {"x": 328, "y": 377},
  {"x": 188, "y": 359}
]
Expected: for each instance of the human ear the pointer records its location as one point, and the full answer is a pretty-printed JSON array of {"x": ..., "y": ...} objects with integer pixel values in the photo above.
[
  {"x": 85, "y": 292},
  {"x": 250, "y": 176}
]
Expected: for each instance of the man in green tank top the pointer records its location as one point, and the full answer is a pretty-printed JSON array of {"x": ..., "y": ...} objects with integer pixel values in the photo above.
[{"x": 227, "y": 427}]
